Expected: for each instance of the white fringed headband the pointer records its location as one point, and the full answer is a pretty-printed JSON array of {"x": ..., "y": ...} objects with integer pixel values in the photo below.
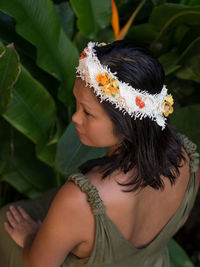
[{"x": 137, "y": 103}]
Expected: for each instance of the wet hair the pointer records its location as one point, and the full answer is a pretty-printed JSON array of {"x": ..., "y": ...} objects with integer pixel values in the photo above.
[{"x": 153, "y": 153}]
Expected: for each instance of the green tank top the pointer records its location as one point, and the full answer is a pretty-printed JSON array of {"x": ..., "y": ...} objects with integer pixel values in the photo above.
[{"x": 111, "y": 249}]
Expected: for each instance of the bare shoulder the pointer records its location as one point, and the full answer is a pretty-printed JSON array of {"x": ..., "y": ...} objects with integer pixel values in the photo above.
[
  {"x": 71, "y": 194},
  {"x": 72, "y": 201},
  {"x": 67, "y": 225}
]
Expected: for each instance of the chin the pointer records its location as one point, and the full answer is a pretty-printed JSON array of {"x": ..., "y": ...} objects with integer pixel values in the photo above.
[
  {"x": 84, "y": 142},
  {"x": 89, "y": 143}
]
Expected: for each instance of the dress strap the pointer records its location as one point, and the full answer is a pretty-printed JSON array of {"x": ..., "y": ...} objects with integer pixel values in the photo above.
[
  {"x": 93, "y": 196},
  {"x": 190, "y": 148}
]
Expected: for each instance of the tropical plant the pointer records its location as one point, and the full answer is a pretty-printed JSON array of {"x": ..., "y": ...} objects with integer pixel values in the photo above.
[{"x": 38, "y": 145}]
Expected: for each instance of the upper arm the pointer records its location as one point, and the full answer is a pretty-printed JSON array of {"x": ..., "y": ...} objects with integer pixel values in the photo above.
[
  {"x": 197, "y": 179},
  {"x": 62, "y": 229}
]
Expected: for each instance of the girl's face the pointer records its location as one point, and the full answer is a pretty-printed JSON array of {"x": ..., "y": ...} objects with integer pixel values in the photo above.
[{"x": 91, "y": 121}]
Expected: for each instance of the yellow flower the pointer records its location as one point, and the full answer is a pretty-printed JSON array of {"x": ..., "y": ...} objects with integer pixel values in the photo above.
[
  {"x": 102, "y": 44},
  {"x": 105, "y": 89},
  {"x": 168, "y": 109},
  {"x": 113, "y": 90},
  {"x": 102, "y": 78},
  {"x": 170, "y": 99},
  {"x": 110, "y": 85},
  {"x": 113, "y": 83}
]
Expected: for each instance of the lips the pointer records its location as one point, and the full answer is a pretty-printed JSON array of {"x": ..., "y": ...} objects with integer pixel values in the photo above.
[{"x": 78, "y": 132}]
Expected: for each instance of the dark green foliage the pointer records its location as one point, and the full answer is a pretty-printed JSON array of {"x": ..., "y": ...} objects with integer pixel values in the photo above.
[{"x": 38, "y": 145}]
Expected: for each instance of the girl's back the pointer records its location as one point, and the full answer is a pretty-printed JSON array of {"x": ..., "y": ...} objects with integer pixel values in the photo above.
[{"x": 140, "y": 216}]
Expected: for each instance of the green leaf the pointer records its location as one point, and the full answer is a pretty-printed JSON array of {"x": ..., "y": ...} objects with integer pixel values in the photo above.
[
  {"x": 20, "y": 184},
  {"x": 71, "y": 153},
  {"x": 142, "y": 33},
  {"x": 5, "y": 144},
  {"x": 190, "y": 60},
  {"x": 46, "y": 149},
  {"x": 178, "y": 257},
  {"x": 180, "y": 32},
  {"x": 169, "y": 62},
  {"x": 37, "y": 22},
  {"x": 9, "y": 72},
  {"x": 187, "y": 121},
  {"x": 46, "y": 152},
  {"x": 66, "y": 17},
  {"x": 168, "y": 16},
  {"x": 81, "y": 41},
  {"x": 32, "y": 109},
  {"x": 9, "y": 35},
  {"x": 92, "y": 15},
  {"x": 194, "y": 2},
  {"x": 158, "y": 2},
  {"x": 174, "y": 13},
  {"x": 18, "y": 165}
]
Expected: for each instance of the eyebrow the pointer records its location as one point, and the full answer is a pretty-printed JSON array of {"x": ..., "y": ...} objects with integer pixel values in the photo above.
[{"x": 82, "y": 104}]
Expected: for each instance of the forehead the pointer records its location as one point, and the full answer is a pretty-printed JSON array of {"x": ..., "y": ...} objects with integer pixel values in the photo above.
[{"x": 85, "y": 95}]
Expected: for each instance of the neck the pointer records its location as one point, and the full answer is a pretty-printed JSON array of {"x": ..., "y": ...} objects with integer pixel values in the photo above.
[{"x": 113, "y": 149}]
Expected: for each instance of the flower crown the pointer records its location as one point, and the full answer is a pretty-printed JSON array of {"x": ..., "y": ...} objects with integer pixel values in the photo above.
[{"x": 137, "y": 103}]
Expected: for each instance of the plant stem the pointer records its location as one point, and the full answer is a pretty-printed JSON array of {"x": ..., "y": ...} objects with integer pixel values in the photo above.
[{"x": 126, "y": 27}]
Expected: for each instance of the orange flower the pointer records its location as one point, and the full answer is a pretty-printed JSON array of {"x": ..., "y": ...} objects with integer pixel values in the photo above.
[
  {"x": 139, "y": 102},
  {"x": 110, "y": 85},
  {"x": 168, "y": 109},
  {"x": 102, "y": 78}
]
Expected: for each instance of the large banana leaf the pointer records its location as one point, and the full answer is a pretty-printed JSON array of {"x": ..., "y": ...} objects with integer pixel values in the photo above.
[
  {"x": 37, "y": 22},
  {"x": 187, "y": 121},
  {"x": 46, "y": 149},
  {"x": 9, "y": 72},
  {"x": 190, "y": 60},
  {"x": 92, "y": 16},
  {"x": 187, "y": 64},
  {"x": 170, "y": 12},
  {"x": 142, "y": 33},
  {"x": 32, "y": 109},
  {"x": 170, "y": 15},
  {"x": 71, "y": 153},
  {"x": 170, "y": 62},
  {"x": 66, "y": 17},
  {"x": 19, "y": 166}
]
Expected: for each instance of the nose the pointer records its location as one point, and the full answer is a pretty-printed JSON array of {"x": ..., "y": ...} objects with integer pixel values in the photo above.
[{"x": 76, "y": 118}]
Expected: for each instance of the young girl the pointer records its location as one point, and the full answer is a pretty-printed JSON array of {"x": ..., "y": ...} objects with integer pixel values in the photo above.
[{"x": 123, "y": 208}]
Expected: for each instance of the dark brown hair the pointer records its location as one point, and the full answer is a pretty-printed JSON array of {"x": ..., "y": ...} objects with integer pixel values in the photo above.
[{"x": 153, "y": 152}]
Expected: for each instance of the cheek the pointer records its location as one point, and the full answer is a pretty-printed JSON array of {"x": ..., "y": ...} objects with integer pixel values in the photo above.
[{"x": 102, "y": 135}]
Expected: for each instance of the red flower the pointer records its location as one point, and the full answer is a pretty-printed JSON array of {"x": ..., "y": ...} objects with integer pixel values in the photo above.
[
  {"x": 139, "y": 102},
  {"x": 84, "y": 53}
]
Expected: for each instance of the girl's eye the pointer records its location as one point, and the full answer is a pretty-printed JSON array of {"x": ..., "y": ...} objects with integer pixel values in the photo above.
[{"x": 88, "y": 114}]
